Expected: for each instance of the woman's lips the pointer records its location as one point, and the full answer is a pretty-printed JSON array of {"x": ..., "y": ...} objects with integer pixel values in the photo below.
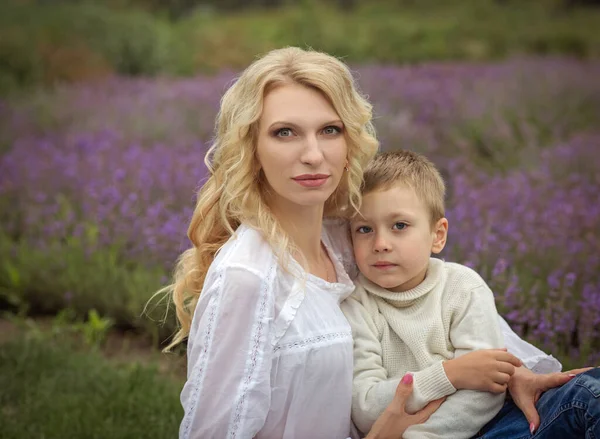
[{"x": 311, "y": 180}]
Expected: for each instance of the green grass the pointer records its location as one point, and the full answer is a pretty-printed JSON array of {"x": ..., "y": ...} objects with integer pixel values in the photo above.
[
  {"x": 82, "y": 280},
  {"x": 52, "y": 390}
]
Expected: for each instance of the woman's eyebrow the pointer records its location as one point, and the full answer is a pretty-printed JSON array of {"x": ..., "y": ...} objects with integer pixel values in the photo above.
[
  {"x": 284, "y": 123},
  {"x": 333, "y": 122},
  {"x": 295, "y": 125}
]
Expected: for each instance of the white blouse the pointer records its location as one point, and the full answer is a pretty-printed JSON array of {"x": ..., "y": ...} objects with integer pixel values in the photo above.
[{"x": 270, "y": 351}]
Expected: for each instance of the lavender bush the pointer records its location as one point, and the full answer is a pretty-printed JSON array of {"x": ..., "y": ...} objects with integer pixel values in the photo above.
[{"x": 97, "y": 186}]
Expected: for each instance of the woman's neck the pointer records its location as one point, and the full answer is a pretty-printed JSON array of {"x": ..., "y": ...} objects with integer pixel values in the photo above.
[{"x": 303, "y": 224}]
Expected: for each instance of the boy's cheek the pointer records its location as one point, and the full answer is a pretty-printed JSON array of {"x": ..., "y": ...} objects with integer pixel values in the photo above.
[{"x": 359, "y": 253}]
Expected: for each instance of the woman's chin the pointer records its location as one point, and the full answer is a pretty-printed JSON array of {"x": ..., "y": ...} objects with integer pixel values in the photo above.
[{"x": 314, "y": 198}]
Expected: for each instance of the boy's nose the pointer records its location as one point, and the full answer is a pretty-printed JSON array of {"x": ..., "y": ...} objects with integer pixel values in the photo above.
[{"x": 381, "y": 245}]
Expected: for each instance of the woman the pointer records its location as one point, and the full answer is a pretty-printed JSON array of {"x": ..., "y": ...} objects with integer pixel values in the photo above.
[{"x": 269, "y": 350}]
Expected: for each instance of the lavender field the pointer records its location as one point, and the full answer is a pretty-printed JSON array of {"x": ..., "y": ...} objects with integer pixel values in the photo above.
[{"x": 97, "y": 185}]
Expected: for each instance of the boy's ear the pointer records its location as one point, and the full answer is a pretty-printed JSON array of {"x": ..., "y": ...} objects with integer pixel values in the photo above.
[{"x": 440, "y": 234}]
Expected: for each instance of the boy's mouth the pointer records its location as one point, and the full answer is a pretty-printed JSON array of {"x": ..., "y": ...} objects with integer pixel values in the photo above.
[{"x": 384, "y": 264}]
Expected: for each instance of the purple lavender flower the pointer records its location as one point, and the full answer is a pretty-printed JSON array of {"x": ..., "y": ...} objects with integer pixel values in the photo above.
[{"x": 116, "y": 165}]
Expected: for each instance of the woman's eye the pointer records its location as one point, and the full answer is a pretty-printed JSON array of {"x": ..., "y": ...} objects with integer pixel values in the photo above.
[
  {"x": 330, "y": 130},
  {"x": 400, "y": 226},
  {"x": 364, "y": 229},
  {"x": 284, "y": 132}
]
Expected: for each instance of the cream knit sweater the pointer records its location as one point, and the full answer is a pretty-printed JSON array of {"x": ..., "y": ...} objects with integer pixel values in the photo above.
[{"x": 451, "y": 313}]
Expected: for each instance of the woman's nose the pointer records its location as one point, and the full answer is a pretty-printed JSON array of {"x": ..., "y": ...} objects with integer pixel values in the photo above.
[{"x": 312, "y": 153}]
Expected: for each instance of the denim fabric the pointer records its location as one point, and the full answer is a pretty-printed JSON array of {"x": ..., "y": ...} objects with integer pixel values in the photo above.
[{"x": 569, "y": 411}]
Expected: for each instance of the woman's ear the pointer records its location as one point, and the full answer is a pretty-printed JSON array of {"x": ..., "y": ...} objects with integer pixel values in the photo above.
[{"x": 440, "y": 234}]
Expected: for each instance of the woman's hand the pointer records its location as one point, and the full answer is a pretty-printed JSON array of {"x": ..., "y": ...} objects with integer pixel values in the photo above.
[
  {"x": 488, "y": 370},
  {"x": 394, "y": 421},
  {"x": 526, "y": 387}
]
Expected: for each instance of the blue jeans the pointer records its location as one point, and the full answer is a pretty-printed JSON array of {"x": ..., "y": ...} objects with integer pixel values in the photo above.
[{"x": 569, "y": 411}]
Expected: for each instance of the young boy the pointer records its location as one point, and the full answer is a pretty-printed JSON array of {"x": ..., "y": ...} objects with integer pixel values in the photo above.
[{"x": 410, "y": 313}]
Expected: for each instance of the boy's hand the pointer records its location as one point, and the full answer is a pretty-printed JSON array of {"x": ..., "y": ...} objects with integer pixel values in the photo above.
[{"x": 488, "y": 370}]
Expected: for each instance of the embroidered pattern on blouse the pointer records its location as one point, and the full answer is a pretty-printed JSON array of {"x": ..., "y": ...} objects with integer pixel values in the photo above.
[
  {"x": 317, "y": 339},
  {"x": 198, "y": 373},
  {"x": 255, "y": 358},
  {"x": 197, "y": 378}
]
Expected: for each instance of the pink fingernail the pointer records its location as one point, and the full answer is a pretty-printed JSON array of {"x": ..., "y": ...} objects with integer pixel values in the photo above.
[
  {"x": 532, "y": 428},
  {"x": 572, "y": 375},
  {"x": 407, "y": 379}
]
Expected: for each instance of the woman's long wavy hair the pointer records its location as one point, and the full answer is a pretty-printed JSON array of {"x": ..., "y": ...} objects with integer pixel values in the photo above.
[{"x": 235, "y": 190}]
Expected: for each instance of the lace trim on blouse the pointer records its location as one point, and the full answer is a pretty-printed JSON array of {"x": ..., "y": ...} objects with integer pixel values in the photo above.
[
  {"x": 197, "y": 377},
  {"x": 322, "y": 339},
  {"x": 198, "y": 373},
  {"x": 256, "y": 356}
]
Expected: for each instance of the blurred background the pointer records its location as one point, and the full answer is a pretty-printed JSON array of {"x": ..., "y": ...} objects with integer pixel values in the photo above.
[{"x": 107, "y": 108}]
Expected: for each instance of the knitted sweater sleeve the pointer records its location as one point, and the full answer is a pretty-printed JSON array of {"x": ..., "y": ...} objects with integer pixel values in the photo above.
[
  {"x": 373, "y": 390},
  {"x": 474, "y": 326},
  {"x": 369, "y": 375}
]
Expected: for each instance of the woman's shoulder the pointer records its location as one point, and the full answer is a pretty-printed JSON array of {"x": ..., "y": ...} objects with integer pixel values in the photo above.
[
  {"x": 246, "y": 249},
  {"x": 245, "y": 264}
]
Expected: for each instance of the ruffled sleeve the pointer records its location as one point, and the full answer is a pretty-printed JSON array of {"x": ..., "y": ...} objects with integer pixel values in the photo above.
[
  {"x": 288, "y": 311},
  {"x": 532, "y": 358},
  {"x": 227, "y": 393},
  {"x": 338, "y": 231}
]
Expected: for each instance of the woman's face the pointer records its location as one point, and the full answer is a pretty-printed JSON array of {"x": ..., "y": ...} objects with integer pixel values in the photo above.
[{"x": 301, "y": 146}]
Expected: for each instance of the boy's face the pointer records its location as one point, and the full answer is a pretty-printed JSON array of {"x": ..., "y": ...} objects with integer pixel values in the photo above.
[{"x": 393, "y": 238}]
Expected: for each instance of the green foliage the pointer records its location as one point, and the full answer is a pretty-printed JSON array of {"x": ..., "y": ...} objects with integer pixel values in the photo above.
[
  {"x": 51, "y": 390},
  {"x": 95, "y": 328},
  {"x": 19, "y": 65},
  {"x": 133, "y": 42},
  {"x": 77, "y": 40},
  {"x": 49, "y": 43},
  {"x": 35, "y": 280},
  {"x": 391, "y": 33}
]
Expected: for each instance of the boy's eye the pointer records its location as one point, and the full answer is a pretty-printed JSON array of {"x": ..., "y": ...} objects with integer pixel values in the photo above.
[
  {"x": 364, "y": 229},
  {"x": 400, "y": 226},
  {"x": 284, "y": 132},
  {"x": 332, "y": 129}
]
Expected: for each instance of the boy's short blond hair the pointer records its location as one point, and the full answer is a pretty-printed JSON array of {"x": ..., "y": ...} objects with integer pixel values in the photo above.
[{"x": 402, "y": 167}]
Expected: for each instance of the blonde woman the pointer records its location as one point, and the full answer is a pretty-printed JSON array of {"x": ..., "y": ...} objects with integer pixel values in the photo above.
[{"x": 258, "y": 294}]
